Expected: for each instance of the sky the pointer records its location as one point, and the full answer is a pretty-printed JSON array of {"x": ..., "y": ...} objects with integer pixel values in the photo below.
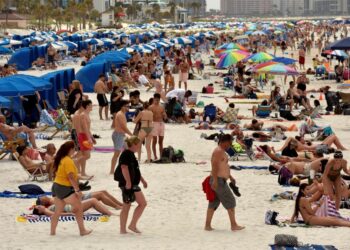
[{"x": 213, "y": 4}]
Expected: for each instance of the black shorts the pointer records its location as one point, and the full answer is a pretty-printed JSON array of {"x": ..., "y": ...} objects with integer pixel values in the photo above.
[
  {"x": 102, "y": 100},
  {"x": 129, "y": 194},
  {"x": 60, "y": 191}
]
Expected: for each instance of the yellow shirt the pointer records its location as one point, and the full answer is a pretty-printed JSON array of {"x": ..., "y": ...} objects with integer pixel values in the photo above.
[{"x": 66, "y": 167}]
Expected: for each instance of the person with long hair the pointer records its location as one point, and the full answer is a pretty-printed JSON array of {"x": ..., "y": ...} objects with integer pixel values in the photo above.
[
  {"x": 129, "y": 177},
  {"x": 332, "y": 181},
  {"x": 65, "y": 188},
  {"x": 303, "y": 206}
]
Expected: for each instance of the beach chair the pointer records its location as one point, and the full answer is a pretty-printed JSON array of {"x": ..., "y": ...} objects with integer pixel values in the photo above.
[
  {"x": 63, "y": 99},
  {"x": 35, "y": 175},
  {"x": 60, "y": 124},
  {"x": 265, "y": 156},
  {"x": 330, "y": 72},
  {"x": 263, "y": 111},
  {"x": 235, "y": 152},
  {"x": 9, "y": 147}
]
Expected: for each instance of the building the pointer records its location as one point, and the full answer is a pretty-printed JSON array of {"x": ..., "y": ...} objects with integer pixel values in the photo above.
[
  {"x": 14, "y": 21},
  {"x": 103, "y": 5},
  {"x": 292, "y": 7},
  {"x": 246, "y": 7},
  {"x": 107, "y": 18},
  {"x": 192, "y": 11}
]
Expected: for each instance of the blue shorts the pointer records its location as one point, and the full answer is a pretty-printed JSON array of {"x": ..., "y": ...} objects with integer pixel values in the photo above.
[{"x": 118, "y": 141}]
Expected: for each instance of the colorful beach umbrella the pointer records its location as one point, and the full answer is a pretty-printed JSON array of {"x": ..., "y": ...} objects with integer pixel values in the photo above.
[
  {"x": 259, "y": 57},
  {"x": 231, "y": 58},
  {"x": 276, "y": 69}
]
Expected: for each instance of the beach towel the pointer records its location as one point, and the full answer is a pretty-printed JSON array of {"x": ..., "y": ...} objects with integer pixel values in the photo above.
[
  {"x": 103, "y": 149},
  {"x": 304, "y": 247},
  {"x": 31, "y": 218},
  {"x": 286, "y": 195},
  {"x": 18, "y": 195},
  {"x": 249, "y": 167},
  {"x": 210, "y": 193}
]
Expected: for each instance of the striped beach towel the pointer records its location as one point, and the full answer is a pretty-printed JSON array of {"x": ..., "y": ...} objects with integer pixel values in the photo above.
[
  {"x": 31, "y": 218},
  {"x": 328, "y": 209}
]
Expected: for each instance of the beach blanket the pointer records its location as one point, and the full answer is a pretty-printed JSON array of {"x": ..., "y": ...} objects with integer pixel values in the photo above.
[
  {"x": 304, "y": 247},
  {"x": 31, "y": 218},
  {"x": 249, "y": 167},
  {"x": 206, "y": 96},
  {"x": 286, "y": 195},
  {"x": 102, "y": 149},
  {"x": 19, "y": 195}
]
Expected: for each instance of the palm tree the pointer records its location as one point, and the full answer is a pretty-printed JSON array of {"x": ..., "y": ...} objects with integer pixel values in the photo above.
[
  {"x": 133, "y": 9},
  {"x": 155, "y": 11},
  {"x": 172, "y": 6}
]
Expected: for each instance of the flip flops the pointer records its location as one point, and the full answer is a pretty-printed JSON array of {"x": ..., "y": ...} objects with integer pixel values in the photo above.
[{"x": 235, "y": 189}]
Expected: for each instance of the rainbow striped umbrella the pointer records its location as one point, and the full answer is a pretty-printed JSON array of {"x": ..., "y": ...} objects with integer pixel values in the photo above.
[
  {"x": 276, "y": 69},
  {"x": 259, "y": 57},
  {"x": 231, "y": 58},
  {"x": 230, "y": 46}
]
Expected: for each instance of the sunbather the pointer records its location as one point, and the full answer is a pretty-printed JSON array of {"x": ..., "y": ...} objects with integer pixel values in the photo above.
[
  {"x": 303, "y": 206},
  {"x": 68, "y": 209},
  {"x": 304, "y": 168},
  {"x": 12, "y": 133}
]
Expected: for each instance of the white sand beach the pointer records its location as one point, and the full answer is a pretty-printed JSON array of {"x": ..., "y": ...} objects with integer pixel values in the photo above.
[{"x": 174, "y": 217}]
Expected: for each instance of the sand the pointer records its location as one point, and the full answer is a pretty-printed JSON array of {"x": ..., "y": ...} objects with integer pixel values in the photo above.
[{"x": 174, "y": 217}]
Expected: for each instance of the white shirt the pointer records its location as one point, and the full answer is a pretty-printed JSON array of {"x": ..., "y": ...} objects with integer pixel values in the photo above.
[{"x": 179, "y": 94}]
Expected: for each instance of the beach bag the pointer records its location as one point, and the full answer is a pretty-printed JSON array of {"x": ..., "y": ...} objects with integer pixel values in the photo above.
[
  {"x": 286, "y": 240},
  {"x": 167, "y": 154},
  {"x": 31, "y": 189},
  {"x": 284, "y": 175},
  {"x": 270, "y": 217},
  {"x": 178, "y": 156}
]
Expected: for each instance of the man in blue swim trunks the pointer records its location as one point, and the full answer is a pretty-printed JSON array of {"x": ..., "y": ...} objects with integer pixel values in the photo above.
[
  {"x": 220, "y": 174},
  {"x": 11, "y": 133}
]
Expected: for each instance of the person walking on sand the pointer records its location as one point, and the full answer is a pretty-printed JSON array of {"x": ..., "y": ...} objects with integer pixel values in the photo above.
[
  {"x": 129, "y": 177},
  {"x": 101, "y": 89},
  {"x": 220, "y": 173},
  {"x": 159, "y": 116},
  {"x": 85, "y": 138},
  {"x": 184, "y": 71},
  {"x": 65, "y": 188},
  {"x": 120, "y": 129}
]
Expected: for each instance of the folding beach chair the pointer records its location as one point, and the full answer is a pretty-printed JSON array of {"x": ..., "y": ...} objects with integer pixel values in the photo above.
[
  {"x": 60, "y": 123},
  {"x": 35, "y": 175},
  {"x": 263, "y": 111},
  {"x": 63, "y": 99},
  {"x": 235, "y": 151},
  {"x": 9, "y": 147}
]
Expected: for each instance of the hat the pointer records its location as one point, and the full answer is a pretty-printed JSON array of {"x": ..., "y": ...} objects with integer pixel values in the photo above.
[{"x": 200, "y": 104}]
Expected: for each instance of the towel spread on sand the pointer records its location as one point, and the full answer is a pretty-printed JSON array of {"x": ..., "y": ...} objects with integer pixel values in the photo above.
[
  {"x": 10, "y": 194},
  {"x": 304, "y": 247},
  {"x": 101, "y": 149},
  {"x": 31, "y": 218},
  {"x": 249, "y": 167},
  {"x": 286, "y": 195}
]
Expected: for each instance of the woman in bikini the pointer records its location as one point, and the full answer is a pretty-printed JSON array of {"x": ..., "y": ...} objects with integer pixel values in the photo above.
[
  {"x": 145, "y": 117},
  {"x": 303, "y": 205},
  {"x": 332, "y": 177}
]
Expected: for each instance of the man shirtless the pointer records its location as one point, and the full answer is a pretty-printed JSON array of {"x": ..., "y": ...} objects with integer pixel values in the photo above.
[
  {"x": 220, "y": 173},
  {"x": 254, "y": 125},
  {"x": 159, "y": 116},
  {"x": 14, "y": 133},
  {"x": 85, "y": 138},
  {"x": 101, "y": 89},
  {"x": 183, "y": 75},
  {"x": 118, "y": 136}
]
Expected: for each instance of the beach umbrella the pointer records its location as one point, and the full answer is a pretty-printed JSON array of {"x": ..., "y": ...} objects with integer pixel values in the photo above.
[
  {"x": 4, "y": 102},
  {"x": 94, "y": 41},
  {"x": 71, "y": 46},
  {"x": 338, "y": 54},
  {"x": 276, "y": 69},
  {"x": 284, "y": 60},
  {"x": 231, "y": 58},
  {"x": 181, "y": 40},
  {"x": 107, "y": 41},
  {"x": 343, "y": 44},
  {"x": 16, "y": 85},
  {"x": 259, "y": 57},
  {"x": 5, "y": 51},
  {"x": 259, "y": 32}
]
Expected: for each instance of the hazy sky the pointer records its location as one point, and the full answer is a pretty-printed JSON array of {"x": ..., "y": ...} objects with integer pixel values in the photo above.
[{"x": 213, "y": 4}]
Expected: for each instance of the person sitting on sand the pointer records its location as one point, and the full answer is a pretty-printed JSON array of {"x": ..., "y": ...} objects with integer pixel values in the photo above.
[
  {"x": 303, "y": 206},
  {"x": 303, "y": 168},
  {"x": 231, "y": 114},
  {"x": 11, "y": 133},
  {"x": 41, "y": 209},
  {"x": 103, "y": 196},
  {"x": 254, "y": 125}
]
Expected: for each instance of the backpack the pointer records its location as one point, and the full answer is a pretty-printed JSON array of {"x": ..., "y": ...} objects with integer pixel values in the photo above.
[
  {"x": 178, "y": 156},
  {"x": 167, "y": 154},
  {"x": 31, "y": 189},
  {"x": 270, "y": 217},
  {"x": 284, "y": 175}
]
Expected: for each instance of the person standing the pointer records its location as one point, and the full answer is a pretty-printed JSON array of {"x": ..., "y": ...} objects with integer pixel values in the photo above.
[
  {"x": 74, "y": 97},
  {"x": 184, "y": 71},
  {"x": 65, "y": 188},
  {"x": 101, "y": 89},
  {"x": 120, "y": 129},
  {"x": 220, "y": 174},
  {"x": 129, "y": 177},
  {"x": 302, "y": 58},
  {"x": 159, "y": 116},
  {"x": 85, "y": 138}
]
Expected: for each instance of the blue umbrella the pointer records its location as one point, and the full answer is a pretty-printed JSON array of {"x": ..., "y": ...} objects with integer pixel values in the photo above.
[
  {"x": 22, "y": 85},
  {"x": 71, "y": 46},
  {"x": 284, "y": 60},
  {"x": 343, "y": 44},
  {"x": 4, "y": 102}
]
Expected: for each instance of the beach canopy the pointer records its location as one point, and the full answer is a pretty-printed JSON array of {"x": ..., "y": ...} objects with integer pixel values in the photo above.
[
  {"x": 115, "y": 57},
  {"x": 4, "y": 102},
  {"x": 88, "y": 75},
  {"x": 343, "y": 44},
  {"x": 22, "y": 85}
]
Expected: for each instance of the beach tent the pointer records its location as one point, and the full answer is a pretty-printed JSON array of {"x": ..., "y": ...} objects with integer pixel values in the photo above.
[
  {"x": 17, "y": 85},
  {"x": 89, "y": 74},
  {"x": 4, "y": 102},
  {"x": 112, "y": 57},
  {"x": 22, "y": 58}
]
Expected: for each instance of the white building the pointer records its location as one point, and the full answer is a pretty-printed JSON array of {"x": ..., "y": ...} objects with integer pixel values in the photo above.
[
  {"x": 103, "y": 5},
  {"x": 107, "y": 18}
]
